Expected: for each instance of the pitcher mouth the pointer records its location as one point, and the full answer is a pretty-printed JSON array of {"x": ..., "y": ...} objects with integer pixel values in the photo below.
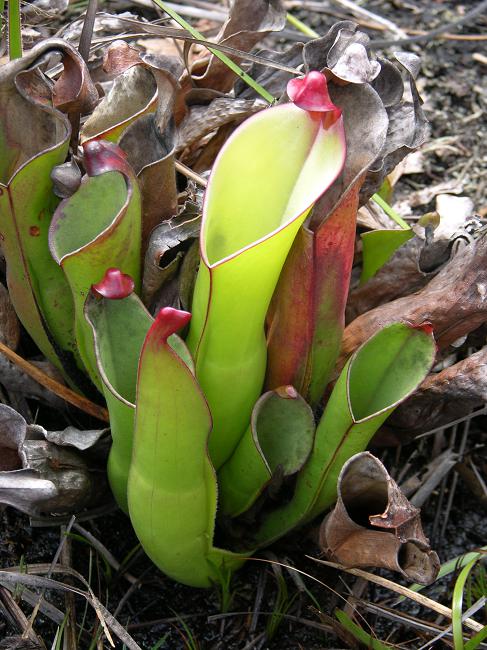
[{"x": 335, "y": 126}]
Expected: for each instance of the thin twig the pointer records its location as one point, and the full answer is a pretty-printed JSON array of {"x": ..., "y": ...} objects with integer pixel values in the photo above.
[
  {"x": 55, "y": 387},
  {"x": 13, "y": 577},
  {"x": 55, "y": 559},
  {"x": 360, "y": 11},
  {"x": 320, "y": 7},
  {"x": 185, "y": 35},
  {"x": 465, "y": 418},
  {"x": 17, "y": 615},
  {"x": 189, "y": 173},
  {"x": 453, "y": 487},
  {"x": 400, "y": 618},
  {"x": 447, "y": 631},
  {"x": 399, "y": 589},
  {"x": 70, "y": 641},
  {"x": 451, "y": 37},
  {"x": 100, "y": 548},
  {"x": 84, "y": 50}
]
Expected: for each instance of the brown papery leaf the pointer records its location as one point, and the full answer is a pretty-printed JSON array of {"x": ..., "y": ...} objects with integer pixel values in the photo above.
[
  {"x": 455, "y": 302},
  {"x": 444, "y": 396},
  {"x": 138, "y": 113},
  {"x": 204, "y": 120},
  {"x": 408, "y": 128},
  {"x": 30, "y": 114},
  {"x": 37, "y": 476},
  {"x": 372, "y": 92},
  {"x": 152, "y": 158},
  {"x": 439, "y": 237},
  {"x": 348, "y": 58},
  {"x": 168, "y": 247},
  {"x": 246, "y": 25},
  {"x": 134, "y": 92},
  {"x": 9, "y": 323},
  {"x": 73, "y": 92},
  {"x": 365, "y": 123},
  {"x": 374, "y": 525}
]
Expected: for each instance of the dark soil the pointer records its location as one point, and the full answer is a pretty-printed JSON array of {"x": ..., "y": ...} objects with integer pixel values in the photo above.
[{"x": 453, "y": 83}]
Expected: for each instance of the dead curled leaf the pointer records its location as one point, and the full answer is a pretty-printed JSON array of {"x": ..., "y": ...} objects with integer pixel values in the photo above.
[
  {"x": 9, "y": 323},
  {"x": 31, "y": 107},
  {"x": 170, "y": 261},
  {"x": 203, "y": 120},
  {"x": 365, "y": 124},
  {"x": 343, "y": 55},
  {"x": 137, "y": 112},
  {"x": 152, "y": 158},
  {"x": 408, "y": 128},
  {"x": 247, "y": 24},
  {"x": 37, "y": 476},
  {"x": 72, "y": 92},
  {"x": 439, "y": 237},
  {"x": 374, "y": 525},
  {"x": 134, "y": 92},
  {"x": 347, "y": 55},
  {"x": 454, "y": 301},
  {"x": 444, "y": 396}
]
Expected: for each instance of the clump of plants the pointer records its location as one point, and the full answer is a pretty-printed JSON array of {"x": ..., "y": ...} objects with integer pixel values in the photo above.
[{"x": 230, "y": 420}]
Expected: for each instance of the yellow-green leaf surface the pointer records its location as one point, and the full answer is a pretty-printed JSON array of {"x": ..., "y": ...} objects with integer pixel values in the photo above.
[
  {"x": 264, "y": 182},
  {"x": 279, "y": 439},
  {"x": 97, "y": 228},
  {"x": 378, "y": 248},
  {"x": 383, "y": 372},
  {"x": 172, "y": 489},
  {"x": 120, "y": 323},
  {"x": 34, "y": 137}
]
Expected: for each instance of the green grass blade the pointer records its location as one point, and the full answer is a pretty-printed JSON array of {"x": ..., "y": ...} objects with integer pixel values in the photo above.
[
  {"x": 223, "y": 57},
  {"x": 390, "y": 212},
  {"x": 14, "y": 30},
  {"x": 378, "y": 248},
  {"x": 457, "y": 603},
  {"x": 476, "y": 640},
  {"x": 59, "y": 633},
  {"x": 161, "y": 642},
  {"x": 300, "y": 26},
  {"x": 358, "y": 633}
]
